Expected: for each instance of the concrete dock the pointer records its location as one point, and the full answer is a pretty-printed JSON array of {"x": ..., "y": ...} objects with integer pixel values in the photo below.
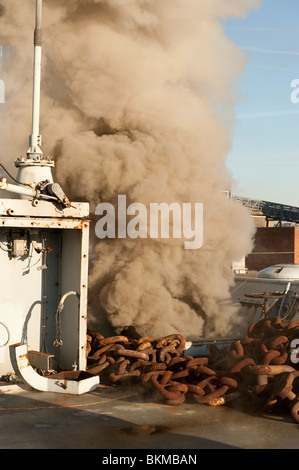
[{"x": 123, "y": 417}]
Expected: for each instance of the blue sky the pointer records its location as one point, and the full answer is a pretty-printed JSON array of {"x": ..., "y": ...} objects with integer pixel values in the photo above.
[{"x": 264, "y": 160}]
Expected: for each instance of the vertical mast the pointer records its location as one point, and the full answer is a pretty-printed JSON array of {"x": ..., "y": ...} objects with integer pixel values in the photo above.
[
  {"x": 35, "y": 138},
  {"x": 35, "y": 168}
]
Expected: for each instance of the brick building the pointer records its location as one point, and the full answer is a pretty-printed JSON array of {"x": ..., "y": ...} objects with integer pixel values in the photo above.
[{"x": 274, "y": 245}]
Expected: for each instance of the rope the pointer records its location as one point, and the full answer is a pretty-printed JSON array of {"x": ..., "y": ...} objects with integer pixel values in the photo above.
[
  {"x": 58, "y": 341},
  {"x": 16, "y": 181}
]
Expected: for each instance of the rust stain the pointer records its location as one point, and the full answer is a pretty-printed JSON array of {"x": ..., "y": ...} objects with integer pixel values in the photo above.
[{"x": 23, "y": 361}]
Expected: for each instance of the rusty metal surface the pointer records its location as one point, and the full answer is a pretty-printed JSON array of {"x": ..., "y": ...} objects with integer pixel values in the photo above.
[
  {"x": 50, "y": 223},
  {"x": 19, "y": 207},
  {"x": 257, "y": 368},
  {"x": 40, "y": 360},
  {"x": 266, "y": 295}
]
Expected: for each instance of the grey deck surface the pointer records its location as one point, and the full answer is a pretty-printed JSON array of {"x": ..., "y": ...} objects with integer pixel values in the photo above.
[{"x": 124, "y": 418}]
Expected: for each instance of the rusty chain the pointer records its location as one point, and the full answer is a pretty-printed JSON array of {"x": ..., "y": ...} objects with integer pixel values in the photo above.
[{"x": 257, "y": 367}]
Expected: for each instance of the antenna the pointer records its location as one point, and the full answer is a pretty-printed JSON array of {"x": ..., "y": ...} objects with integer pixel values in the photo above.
[{"x": 35, "y": 168}]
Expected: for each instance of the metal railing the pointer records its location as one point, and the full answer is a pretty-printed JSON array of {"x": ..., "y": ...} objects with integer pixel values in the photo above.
[{"x": 270, "y": 210}]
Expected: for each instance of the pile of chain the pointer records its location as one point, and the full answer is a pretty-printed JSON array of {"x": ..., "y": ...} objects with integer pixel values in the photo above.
[{"x": 257, "y": 367}]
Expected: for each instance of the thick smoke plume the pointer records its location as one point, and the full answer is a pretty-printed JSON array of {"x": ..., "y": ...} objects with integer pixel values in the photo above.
[{"x": 138, "y": 99}]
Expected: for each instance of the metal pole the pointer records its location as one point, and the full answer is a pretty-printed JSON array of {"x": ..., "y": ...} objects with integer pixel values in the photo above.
[
  {"x": 35, "y": 139},
  {"x": 35, "y": 168},
  {"x": 23, "y": 191},
  {"x": 16, "y": 189}
]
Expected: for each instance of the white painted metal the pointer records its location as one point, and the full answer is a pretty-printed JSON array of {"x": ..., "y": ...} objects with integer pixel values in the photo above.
[
  {"x": 33, "y": 171},
  {"x": 239, "y": 267},
  {"x": 30, "y": 294},
  {"x": 280, "y": 271},
  {"x": 35, "y": 167},
  {"x": 20, "y": 361},
  {"x": 18, "y": 207},
  {"x": 34, "y": 139},
  {"x": 21, "y": 190},
  {"x": 43, "y": 223}
]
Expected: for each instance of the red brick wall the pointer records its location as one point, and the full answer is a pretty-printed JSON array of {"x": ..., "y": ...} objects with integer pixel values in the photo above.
[
  {"x": 275, "y": 245},
  {"x": 296, "y": 257}
]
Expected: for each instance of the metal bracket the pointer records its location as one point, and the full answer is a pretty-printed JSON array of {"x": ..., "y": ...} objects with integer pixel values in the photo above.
[{"x": 24, "y": 370}]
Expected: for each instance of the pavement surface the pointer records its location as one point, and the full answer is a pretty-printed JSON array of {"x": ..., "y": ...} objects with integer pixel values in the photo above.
[{"x": 118, "y": 417}]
